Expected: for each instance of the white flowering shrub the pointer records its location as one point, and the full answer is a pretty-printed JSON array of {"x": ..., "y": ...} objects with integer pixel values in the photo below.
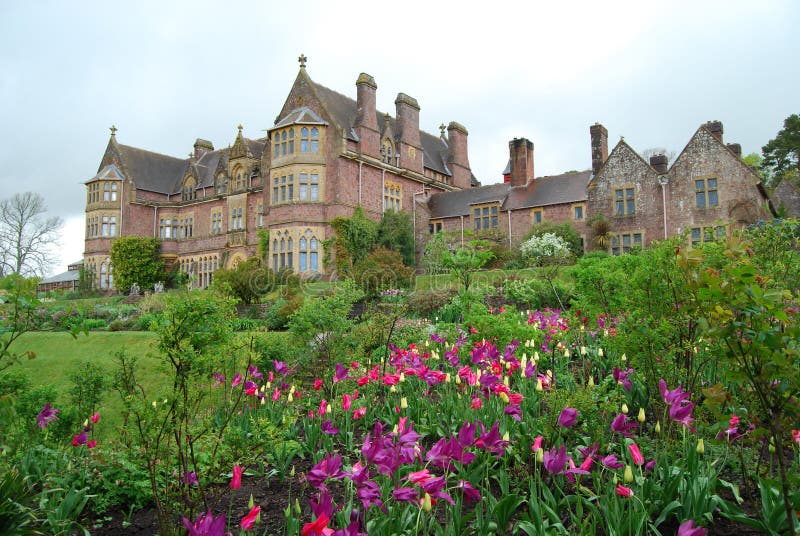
[{"x": 547, "y": 246}]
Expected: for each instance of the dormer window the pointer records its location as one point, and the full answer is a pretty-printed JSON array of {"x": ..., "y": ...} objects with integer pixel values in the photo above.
[
  {"x": 387, "y": 151},
  {"x": 221, "y": 184},
  {"x": 188, "y": 193}
]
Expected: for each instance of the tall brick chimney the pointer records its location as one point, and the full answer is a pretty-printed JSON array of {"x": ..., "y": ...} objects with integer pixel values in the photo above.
[
  {"x": 521, "y": 155},
  {"x": 659, "y": 163},
  {"x": 599, "y": 136},
  {"x": 366, "y": 116},
  {"x": 457, "y": 157},
  {"x": 735, "y": 149},
  {"x": 201, "y": 147},
  {"x": 409, "y": 146},
  {"x": 715, "y": 127}
]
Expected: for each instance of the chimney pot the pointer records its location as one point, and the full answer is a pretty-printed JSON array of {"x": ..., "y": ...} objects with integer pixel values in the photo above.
[
  {"x": 659, "y": 163},
  {"x": 715, "y": 127},
  {"x": 735, "y": 149}
]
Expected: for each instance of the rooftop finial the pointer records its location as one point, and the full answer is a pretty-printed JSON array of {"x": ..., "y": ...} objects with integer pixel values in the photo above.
[
  {"x": 442, "y": 128},
  {"x": 240, "y": 127},
  {"x": 113, "y": 130},
  {"x": 302, "y": 59}
]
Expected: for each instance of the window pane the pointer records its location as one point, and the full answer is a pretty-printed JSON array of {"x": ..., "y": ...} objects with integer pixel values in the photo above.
[
  {"x": 314, "y": 192},
  {"x": 699, "y": 185},
  {"x": 712, "y": 198},
  {"x": 303, "y": 261},
  {"x": 701, "y": 199},
  {"x": 303, "y": 192},
  {"x": 712, "y": 184},
  {"x": 631, "y": 206},
  {"x": 304, "y": 146}
]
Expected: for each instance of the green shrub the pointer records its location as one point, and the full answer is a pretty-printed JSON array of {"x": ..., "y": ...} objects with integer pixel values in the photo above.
[
  {"x": 425, "y": 303},
  {"x": 381, "y": 270},
  {"x": 94, "y": 324}
]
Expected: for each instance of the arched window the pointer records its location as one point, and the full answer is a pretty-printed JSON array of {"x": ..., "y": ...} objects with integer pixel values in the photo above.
[
  {"x": 275, "y": 254},
  {"x": 309, "y": 253},
  {"x": 276, "y": 143},
  {"x": 309, "y": 140},
  {"x": 106, "y": 275},
  {"x": 314, "y": 264},
  {"x": 221, "y": 184},
  {"x": 387, "y": 151},
  {"x": 291, "y": 141},
  {"x": 303, "y": 254},
  {"x": 188, "y": 193}
]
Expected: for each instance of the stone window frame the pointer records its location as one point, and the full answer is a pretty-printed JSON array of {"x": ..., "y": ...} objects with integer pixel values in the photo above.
[
  {"x": 108, "y": 225},
  {"x": 617, "y": 244},
  {"x": 575, "y": 208},
  {"x": 188, "y": 189},
  {"x": 287, "y": 184},
  {"x": 106, "y": 273},
  {"x": 93, "y": 192},
  {"x": 707, "y": 191},
  {"x": 301, "y": 251},
  {"x": 168, "y": 225},
  {"x": 221, "y": 184},
  {"x": 626, "y": 210},
  {"x": 310, "y": 138},
  {"x": 388, "y": 151},
  {"x": 216, "y": 221},
  {"x": 239, "y": 176},
  {"x": 537, "y": 215},
  {"x": 435, "y": 226},
  {"x": 110, "y": 189},
  {"x": 237, "y": 221},
  {"x": 485, "y": 216},
  {"x": 706, "y": 233},
  {"x": 200, "y": 269},
  {"x": 260, "y": 214},
  {"x": 392, "y": 196}
]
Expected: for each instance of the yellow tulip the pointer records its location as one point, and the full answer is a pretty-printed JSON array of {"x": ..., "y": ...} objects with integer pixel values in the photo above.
[{"x": 628, "y": 476}]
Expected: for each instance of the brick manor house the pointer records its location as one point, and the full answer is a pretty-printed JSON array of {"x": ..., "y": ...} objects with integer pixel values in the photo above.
[{"x": 327, "y": 154}]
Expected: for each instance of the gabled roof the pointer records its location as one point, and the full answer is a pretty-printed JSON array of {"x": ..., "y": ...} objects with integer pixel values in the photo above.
[
  {"x": 552, "y": 190},
  {"x": 108, "y": 173},
  {"x": 343, "y": 111},
  {"x": 458, "y": 203}
]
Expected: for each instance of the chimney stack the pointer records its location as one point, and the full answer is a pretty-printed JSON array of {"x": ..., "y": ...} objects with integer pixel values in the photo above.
[
  {"x": 366, "y": 116},
  {"x": 201, "y": 147},
  {"x": 521, "y": 156},
  {"x": 735, "y": 149},
  {"x": 715, "y": 127},
  {"x": 599, "y": 136},
  {"x": 407, "y": 120},
  {"x": 659, "y": 163},
  {"x": 457, "y": 156}
]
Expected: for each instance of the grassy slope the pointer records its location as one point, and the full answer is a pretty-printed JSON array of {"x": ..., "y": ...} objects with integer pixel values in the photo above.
[{"x": 58, "y": 354}]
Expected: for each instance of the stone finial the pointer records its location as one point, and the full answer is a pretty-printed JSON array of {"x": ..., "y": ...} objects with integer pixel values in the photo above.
[
  {"x": 113, "y": 130},
  {"x": 442, "y": 128},
  {"x": 386, "y": 119},
  {"x": 302, "y": 59},
  {"x": 240, "y": 127}
]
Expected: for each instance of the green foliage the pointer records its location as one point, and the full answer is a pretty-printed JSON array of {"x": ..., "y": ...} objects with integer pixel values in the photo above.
[
  {"x": 533, "y": 293},
  {"x": 566, "y": 231},
  {"x": 263, "y": 244},
  {"x": 19, "y": 304},
  {"x": 324, "y": 323},
  {"x": 755, "y": 316},
  {"x": 88, "y": 383},
  {"x": 381, "y": 270},
  {"x": 396, "y": 232},
  {"x": 464, "y": 262},
  {"x": 782, "y": 153},
  {"x": 248, "y": 281},
  {"x": 354, "y": 238},
  {"x": 547, "y": 248},
  {"x": 435, "y": 250},
  {"x": 136, "y": 260},
  {"x": 425, "y": 303}
]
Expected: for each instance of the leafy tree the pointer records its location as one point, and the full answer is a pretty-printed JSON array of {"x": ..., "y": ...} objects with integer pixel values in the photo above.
[
  {"x": 248, "y": 281},
  {"x": 383, "y": 269},
  {"x": 396, "y": 232},
  {"x": 136, "y": 259},
  {"x": 354, "y": 239},
  {"x": 26, "y": 238},
  {"x": 464, "y": 262},
  {"x": 325, "y": 322},
  {"x": 782, "y": 153},
  {"x": 433, "y": 256}
]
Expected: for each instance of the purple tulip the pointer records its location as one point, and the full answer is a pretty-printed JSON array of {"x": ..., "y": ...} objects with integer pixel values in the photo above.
[
  {"x": 568, "y": 417},
  {"x": 405, "y": 494},
  {"x": 46, "y": 416},
  {"x": 687, "y": 528},
  {"x": 470, "y": 493},
  {"x": 621, "y": 377},
  {"x": 328, "y": 428},
  {"x": 621, "y": 425},
  {"x": 206, "y": 525},
  {"x": 611, "y": 462},
  {"x": 554, "y": 460},
  {"x": 329, "y": 467}
]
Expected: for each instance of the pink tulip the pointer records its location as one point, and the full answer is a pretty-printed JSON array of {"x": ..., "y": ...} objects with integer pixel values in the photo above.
[
  {"x": 636, "y": 454},
  {"x": 236, "y": 481}
]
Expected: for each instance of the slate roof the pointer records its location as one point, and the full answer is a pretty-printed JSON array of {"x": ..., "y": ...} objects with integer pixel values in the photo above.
[
  {"x": 451, "y": 204},
  {"x": 343, "y": 109},
  {"x": 164, "y": 174},
  {"x": 69, "y": 275},
  {"x": 551, "y": 190},
  {"x": 543, "y": 191}
]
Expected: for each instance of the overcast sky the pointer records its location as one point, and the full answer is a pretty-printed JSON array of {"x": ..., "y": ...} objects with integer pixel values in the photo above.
[{"x": 166, "y": 73}]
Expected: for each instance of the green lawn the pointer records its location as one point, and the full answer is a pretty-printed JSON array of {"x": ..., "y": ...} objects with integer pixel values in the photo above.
[
  {"x": 491, "y": 277},
  {"x": 58, "y": 354}
]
